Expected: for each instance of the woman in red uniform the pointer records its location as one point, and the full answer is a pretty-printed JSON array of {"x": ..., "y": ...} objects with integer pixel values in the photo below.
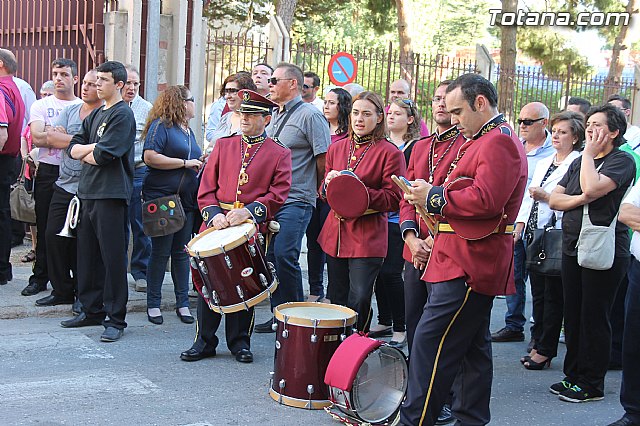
[{"x": 356, "y": 247}]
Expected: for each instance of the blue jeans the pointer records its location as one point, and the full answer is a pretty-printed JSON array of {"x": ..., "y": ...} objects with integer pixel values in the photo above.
[
  {"x": 141, "y": 243},
  {"x": 161, "y": 248},
  {"x": 631, "y": 346},
  {"x": 284, "y": 251},
  {"x": 514, "y": 318}
]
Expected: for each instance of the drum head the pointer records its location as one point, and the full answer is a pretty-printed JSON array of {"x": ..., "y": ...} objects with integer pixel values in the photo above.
[
  {"x": 347, "y": 195},
  {"x": 307, "y": 314},
  {"x": 380, "y": 385},
  {"x": 212, "y": 242}
]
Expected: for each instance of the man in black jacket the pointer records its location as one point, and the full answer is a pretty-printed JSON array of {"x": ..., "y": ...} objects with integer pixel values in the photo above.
[{"x": 105, "y": 146}]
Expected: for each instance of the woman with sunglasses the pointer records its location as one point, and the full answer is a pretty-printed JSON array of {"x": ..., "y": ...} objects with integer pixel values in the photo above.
[
  {"x": 403, "y": 123},
  {"x": 336, "y": 109},
  {"x": 356, "y": 246},
  {"x": 230, "y": 122},
  {"x": 172, "y": 154}
]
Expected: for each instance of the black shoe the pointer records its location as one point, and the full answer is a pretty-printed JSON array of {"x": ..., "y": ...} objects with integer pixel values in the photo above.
[
  {"x": 558, "y": 388},
  {"x": 577, "y": 394},
  {"x": 80, "y": 321},
  {"x": 187, "y": 319},
  {"x": 244, "y": 355},
  {"x": 111, "y": 334},
  {"x": 33, "y": 288},
  {"x": 506, "y": 335},
  {"x": 52, "y": 300},
  {"x": 445, "y": 417},
  {"x": 8, "y": 278},
  {"x": 624, "y": 421},
  {"x": 76, "y": 309},
  {"x": 265, "y": 327},
  {"x": 531, "y": 344},
  {"x": 155, "y": 320},
  {"x": 196, "y": 353},
  {"x": 387, "y": 332}
]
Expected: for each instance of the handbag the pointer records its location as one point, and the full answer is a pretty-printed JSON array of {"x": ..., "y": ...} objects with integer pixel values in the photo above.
[
  {"x": 544, "y": 251},
  {"x": 23, "y": 205},
  {"x": 163, "y": 216},
  {"x": 596, "y": 244}
]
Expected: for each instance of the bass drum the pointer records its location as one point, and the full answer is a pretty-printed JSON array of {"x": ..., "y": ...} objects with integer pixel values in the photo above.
[{"x": 367, "y": 380}]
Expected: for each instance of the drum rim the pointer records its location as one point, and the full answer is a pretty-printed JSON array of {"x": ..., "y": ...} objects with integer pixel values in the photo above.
[
  {"x": 316, "y": 404},
  {"x": 229, "y": 309},
  {"x": 217, "y": 250},
  {"x": 308, "y": 322}
]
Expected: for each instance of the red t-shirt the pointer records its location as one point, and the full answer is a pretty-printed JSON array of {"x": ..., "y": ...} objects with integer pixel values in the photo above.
[{"x": 11, "y": 115}]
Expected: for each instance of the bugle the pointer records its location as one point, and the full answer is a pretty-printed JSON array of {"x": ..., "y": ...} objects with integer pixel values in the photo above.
[{"x": 71, "y": 221}]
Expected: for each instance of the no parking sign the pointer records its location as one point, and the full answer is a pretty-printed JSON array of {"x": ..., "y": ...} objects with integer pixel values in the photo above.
[{"x": 342, "y": 68}]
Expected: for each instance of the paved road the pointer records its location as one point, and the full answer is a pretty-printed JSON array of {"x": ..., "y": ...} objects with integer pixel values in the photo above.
[{"x": 55, "y": 376}]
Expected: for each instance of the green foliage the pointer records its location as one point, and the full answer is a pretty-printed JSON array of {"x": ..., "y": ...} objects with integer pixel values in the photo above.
[
  {"x": 550, "y": 49},
  {"x": 247, "y": 14}
]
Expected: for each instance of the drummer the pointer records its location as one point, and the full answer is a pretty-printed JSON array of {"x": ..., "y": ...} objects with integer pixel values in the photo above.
[
  {"x": 253, "y": 171},
  {"x": 356, "y": 247}
]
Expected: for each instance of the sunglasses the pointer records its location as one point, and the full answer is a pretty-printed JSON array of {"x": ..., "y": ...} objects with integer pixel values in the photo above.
[
  {"x": 189, "y": 99},
  {"x": 273, "y": 81},
  {"x": 230, "y": 91},
  {"x": 529, "y": 121},
  {"x": 410, "y": 104}
]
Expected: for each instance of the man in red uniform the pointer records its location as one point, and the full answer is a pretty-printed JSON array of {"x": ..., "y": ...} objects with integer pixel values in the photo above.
[
  {"x": 471, "y": 261},
  {"x": 11, "y": 117},
  {"x": 256, "y": 171}
]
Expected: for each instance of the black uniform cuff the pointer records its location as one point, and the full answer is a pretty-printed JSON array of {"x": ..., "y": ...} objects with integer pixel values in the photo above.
[
  {"x": 408, "y": 225},
  {"x": 258, "y": 211},
  {"x": 436, "y": 200},
  {"x": 208, "y": 213}
]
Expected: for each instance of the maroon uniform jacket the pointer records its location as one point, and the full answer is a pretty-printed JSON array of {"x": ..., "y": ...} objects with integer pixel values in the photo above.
[
  {"x": 431, "y": 156},
  {"x": 365, "y": 236},
  {"x": 496, "y": 161},
  {"x": 268, "y": 171}
]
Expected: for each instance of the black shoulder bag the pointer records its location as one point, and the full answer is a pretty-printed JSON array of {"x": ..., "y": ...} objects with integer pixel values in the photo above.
[{"x": 544, "y": 251}]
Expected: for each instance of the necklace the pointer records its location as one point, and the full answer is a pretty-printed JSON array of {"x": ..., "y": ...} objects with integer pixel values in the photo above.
[
  {"x": 461, "y": 152},
  {"x": 245, "y": 143},
  {"x": 433, "y": 167},
  {"x": 355, "y": 144}
]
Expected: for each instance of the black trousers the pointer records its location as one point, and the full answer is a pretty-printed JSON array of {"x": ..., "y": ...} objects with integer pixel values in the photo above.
[
  {"x": 415, "y": 299},
  {"x": 6, "y": 179},
  {"x": 237, "y": 327},
  {"x": 617, "y": 323},
  {"x": 351, "y": 282},
  {"x": 588, "y": 298},
  {"x": 451, "y": 348},
  {"x": 630, "y": 389},
  {"x": 102, "y": 260},
  {"x": 390, "y": 285},
  {"x": 61, "y": 251},
  {"x": 42, "y": 193},
  {"x": 546, "y": 292}
]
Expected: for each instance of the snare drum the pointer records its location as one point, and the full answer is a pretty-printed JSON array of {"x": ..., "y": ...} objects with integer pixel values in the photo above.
[
  {"x": 233, "y": 268},
  {"x": 367, "y": 380},
  {"x": 307, "y": 335}
]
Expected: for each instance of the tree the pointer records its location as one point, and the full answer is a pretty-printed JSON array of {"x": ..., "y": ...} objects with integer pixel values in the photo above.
[
  {"x": 403, "y": 31},
  {"x": 508, "y": 53},
  {"x": 620, "y": 53},
  {"x": 286, "y": 10},
  {"x": 246, "y": 14},
  {"x": 550, "y": 49}
]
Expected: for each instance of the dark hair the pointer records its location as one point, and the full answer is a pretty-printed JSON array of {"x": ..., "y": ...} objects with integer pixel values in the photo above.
[
  {"x": 264, "y": 64},
  {"x": 344, "y": 109},
  {"x": 616, "y": 120},
  {"x": 8, "y": 60},
  {"x": 445, "y": 83},
  {"x": 117, "y": 70},
  {"x": 473, "y": 85},
  {"x": 413, "y": 129},
  {"x": 380, "y": 130},
  {"x": 582, "y": 103},
  {"x": 576, "y": 124},
  {"x": 292, "y": 71},
  {"x": 63, "y": 63},
  {"x": 314, "y": 76},
  {"x": 626, "y": 103}
]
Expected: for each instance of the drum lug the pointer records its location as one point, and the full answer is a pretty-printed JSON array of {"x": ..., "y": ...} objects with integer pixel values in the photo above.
[
  {"x": 241, "y": 295},
  {"x": 271, "y": 374},
  {"x": 203, "y": 267},
  {"x": 264, "y": 282},
  {"x": 252, "y": 250},
  {"x": 314, "y": 336},
  {"x": 193, "y": 262},
  {"x": 228, "y": 260},
  {"x": 281, "y": 385},
  {"x": 344, "y": 327},
  {"x": 272, "y": 268},
  {"x": 274, "y": 326},
  {"x": 216, "y": 300},
  {"x": 285, "y": 332},
  {"x": 260, "y": 238},
  {"x": 310, "y": 390}
]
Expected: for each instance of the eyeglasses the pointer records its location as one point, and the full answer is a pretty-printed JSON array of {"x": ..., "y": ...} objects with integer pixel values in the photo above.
[
  {"x": 189, "y": 99},
  {"x": 437, "y": 99},
  {"x": 230, "y": 91},
  {"x": 306, "y": 86},
  {"x": 273, "y": 81},
  {"x": 529, "y": 121}
]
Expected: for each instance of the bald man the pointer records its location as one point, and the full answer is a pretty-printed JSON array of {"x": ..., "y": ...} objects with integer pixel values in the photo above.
[
  {"x": 532, "y": 122},
  {"x": 399, "y": 90}
]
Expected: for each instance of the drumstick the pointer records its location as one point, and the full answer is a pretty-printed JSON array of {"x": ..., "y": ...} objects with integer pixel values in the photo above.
[{"x": 426, "y": 216}]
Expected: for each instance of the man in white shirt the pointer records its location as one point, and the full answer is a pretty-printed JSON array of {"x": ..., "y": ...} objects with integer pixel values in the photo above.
[
  {"x": 310, "y": 90},
  {"x": 632, "y": 135},
  {"x": 64, "y": 73}
]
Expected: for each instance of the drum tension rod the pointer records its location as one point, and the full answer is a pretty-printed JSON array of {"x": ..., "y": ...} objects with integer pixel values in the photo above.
[
  {"x": 281, "y": 385},
  {"x": 310, "y": 390},
  {"x": 314, "y": 336},
  {"x": 226, "y": 258},
  {"x": 241, "y": 295},
  {"x": 285, "y": 332},
  {"x": 344, "y": 326}
]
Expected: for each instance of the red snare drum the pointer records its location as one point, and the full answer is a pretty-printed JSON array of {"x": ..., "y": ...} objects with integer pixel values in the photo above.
[
  {"x": 233, "y": 268},
  {"x": 347, "y": 195},
  {"x": 367, "y": 380},
  {"x": 307, "y": 335}
]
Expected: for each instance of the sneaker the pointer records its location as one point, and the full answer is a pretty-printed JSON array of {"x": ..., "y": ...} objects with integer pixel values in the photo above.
[
  {"x": 507, "y": 335},
  {"x": 265, "y": 327},
  {"x": 576, "y": 394},
  {"x": 624, "y": 421},
  {"x": 445, "y": 417},
  {"x": 558, "y": 388},
  {"x": 111, "y": 334},
  {"x": 141, "y": 285}
]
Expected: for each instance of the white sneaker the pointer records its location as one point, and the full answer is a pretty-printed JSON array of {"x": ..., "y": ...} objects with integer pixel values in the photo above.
[{"x": 141, "y": 285}]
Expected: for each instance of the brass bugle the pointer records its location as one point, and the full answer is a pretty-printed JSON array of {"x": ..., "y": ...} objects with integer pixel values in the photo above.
[{"x": 71, "y": 221}]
